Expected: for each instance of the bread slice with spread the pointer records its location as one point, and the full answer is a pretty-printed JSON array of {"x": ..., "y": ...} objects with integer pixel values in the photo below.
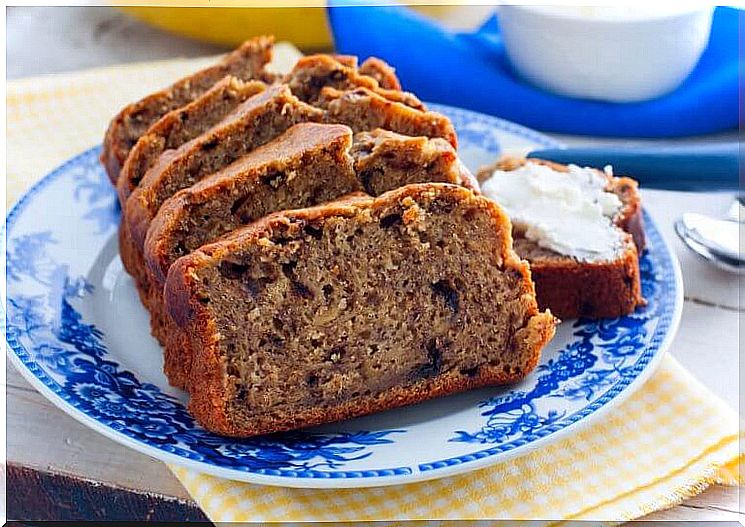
[{"x": 581, "y": 229}]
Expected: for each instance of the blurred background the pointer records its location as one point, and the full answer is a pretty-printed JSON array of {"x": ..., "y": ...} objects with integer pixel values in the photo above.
[
  {"x": 654, "y": 72},
  {"x": 57, "y": 39}
]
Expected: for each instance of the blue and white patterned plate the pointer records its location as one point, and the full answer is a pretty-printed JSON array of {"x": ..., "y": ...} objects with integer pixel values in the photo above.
[{"x": 78, "y": 333}]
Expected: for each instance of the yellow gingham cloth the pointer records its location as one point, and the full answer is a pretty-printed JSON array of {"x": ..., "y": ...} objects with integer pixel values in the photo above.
[{"x": 668, "y": 441}]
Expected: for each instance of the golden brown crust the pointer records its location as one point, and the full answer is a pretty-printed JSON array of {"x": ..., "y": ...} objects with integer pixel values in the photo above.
[
  {"x": 348, "y": 60},
  {"x": 205, "y": 405},
  {"x": 181, "y": 125},
  {"x": 373, "y": 67},
  {"x": 132, "y": 261},
  {"x": 247, "y": 62},
  {"x": 208, "y": 397},
  {"x": 574, "y": 289},
  {"x": 176, "y": 351},
  {"x": 631, "y": 218}
]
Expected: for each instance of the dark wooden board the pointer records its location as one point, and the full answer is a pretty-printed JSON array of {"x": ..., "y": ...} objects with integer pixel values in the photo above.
[{"x": 36, "y": 495}]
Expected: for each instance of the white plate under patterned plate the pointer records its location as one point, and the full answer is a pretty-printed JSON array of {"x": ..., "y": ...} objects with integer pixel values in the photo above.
[{"x": 78, "y": 333}]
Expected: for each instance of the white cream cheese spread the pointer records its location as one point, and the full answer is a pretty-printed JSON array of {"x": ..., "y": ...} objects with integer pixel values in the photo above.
[{"x": 570, "y": 213}]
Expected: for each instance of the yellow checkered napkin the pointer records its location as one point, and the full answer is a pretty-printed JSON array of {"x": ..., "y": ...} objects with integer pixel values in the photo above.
[{"x": 667, "y": 442}]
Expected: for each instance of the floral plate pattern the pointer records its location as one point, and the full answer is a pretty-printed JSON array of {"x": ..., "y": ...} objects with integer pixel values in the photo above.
[{"x": 77, "y": 332}]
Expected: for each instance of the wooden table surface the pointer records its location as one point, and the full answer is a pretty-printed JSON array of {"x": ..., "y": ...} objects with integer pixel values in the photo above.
[{"x": 58, "y": 469}]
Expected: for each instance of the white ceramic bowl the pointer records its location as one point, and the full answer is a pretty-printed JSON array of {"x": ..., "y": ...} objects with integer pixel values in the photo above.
[{"x": 607, "y": 53}]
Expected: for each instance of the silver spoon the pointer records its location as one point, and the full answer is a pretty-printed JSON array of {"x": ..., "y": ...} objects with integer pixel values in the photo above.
[{"x": 716, "y": 240}]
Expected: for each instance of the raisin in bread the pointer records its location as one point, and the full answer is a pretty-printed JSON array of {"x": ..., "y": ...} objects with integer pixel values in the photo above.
[
  {"x": 572, "y": 281},
  {"x": 322, "y": 314},
  {"x": 248, "y": 62}
]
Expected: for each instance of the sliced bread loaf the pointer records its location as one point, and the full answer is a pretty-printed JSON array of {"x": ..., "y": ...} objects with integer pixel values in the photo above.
[
  {"x": 316, "y": 315},
  {"x": 584, "y": 245},
  {"x": 246, "y": 63},
  {"x": 181, "y": 125},
  {"x": 308, "y": 164},
  {"x": 258, "y": 120}
]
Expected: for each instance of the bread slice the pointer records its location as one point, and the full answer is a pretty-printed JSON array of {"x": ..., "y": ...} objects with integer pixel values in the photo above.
[
  {"x": 385, "y": 160},
  {"x": 253, "y": 123},
  {"x": 569, "y": 287},
  {"x": 353, "y": 307},
  {"x": 369, "y": 110},
  {"x": 309, "y": 164},
  {"x": 181, "y": 125},
  {"x": 246, "y": 63},
  {"x": 314, "y": 72}
]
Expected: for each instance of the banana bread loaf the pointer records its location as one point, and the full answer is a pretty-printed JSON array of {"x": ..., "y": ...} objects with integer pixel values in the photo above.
[
  {"x": 292, "y": 172},
  {"x": 573, "y": 282},
  {"x": 187, "y": 122},
  {"x": 316, "y": 315},
  {"x": 177, "y": 169},
  {"x": 246, "y": 63}
]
